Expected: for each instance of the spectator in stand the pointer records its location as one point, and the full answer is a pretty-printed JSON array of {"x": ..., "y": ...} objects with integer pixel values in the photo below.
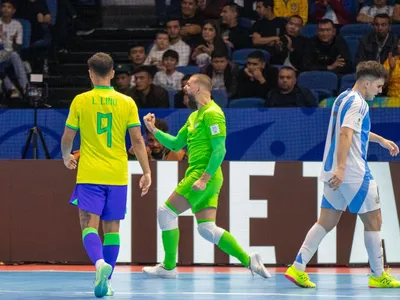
[
  {"x": 266, "y": 31},
  {"x": 222, "y": 72},
  {"x": 181, "y": 99},
  {"x": 210, "y": 40},
  {"x": 160, "y": 45},
  {"x": 377, "y": 44},
  {"x": 191, "y": 21},
  {"x": 176, "y": 43},
  {"x": 338, "y": 11},
  {"x": 288, "y": 93},
  {"x": 367, "y": 13},
  {"x": 327, "y": 51},
  {"x": 288, "y": 8},
  {"x": 235, "y": 36},
  {"x": 211, "y": 8},
  {"x": 145, "y": 93},
  {"x": 155, "y": 150},
  {"x": 10, "y": 43},
  {"x": 257, "y": 78},
  {"x": 392, "y": 64},
  {"x": 123, "y": 78},
  {"x": 290, "y": 49},
  {"x": 396, "y": 12},
  {"x": 137, "y": 55},
  {"x": 169, "y": 78}
]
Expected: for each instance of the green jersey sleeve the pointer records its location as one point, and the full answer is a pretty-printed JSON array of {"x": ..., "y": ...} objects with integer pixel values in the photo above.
[{"x": 174, "y": 143}]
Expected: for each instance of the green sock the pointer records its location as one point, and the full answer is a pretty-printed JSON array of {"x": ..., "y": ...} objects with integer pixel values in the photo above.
[
  {"x": 229, "y": 245},
  {"x": 170, "y": 240}
]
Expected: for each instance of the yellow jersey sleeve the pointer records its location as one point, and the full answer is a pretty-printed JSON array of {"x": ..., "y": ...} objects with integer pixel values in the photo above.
[
  {"x": 73, "y": 116},
  {"x": 133, "y": 118}
]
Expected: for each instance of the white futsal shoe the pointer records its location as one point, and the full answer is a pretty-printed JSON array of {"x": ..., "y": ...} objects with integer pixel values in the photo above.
[
  {"x": 257, "y": 266},
  {"x": 158, "y": 271}
]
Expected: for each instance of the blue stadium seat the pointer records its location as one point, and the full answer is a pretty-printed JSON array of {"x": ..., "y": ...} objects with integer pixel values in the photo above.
[
  {"x": 245, "y": 23},
  {"x": 246, "y": 103},
  {"x": 188, "y": 70},
  {"x": 171, "y": 95},
  {"x": 278, "y": 66},
  {"x": 323, "y": 82},
  {"x": 52, "y": 5},
  {"x": 240, "y": 56},
  {"x": 355, "y": 30},
  {"x": 220, "y": 97},
  {"x": 316, "y": 96},
  {"x": 26, "y": 32},
  {"x": 347, "y": 82},
  {"x": 309, "y": 30},
  {"x": 396, "y": 29},
  {"x": 353, "y": 47}
]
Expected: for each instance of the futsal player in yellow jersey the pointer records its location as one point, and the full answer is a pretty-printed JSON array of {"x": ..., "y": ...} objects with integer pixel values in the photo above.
[{"x": 103, "y": 116}]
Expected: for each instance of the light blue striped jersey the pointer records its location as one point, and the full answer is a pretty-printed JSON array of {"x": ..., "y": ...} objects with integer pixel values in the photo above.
[{"x": 352, "y": 111}]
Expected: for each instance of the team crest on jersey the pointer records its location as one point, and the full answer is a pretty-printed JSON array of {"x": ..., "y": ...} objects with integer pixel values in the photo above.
[
  {"x": 214, "y": 129},
  {"x": 358, "y": 120},
  {"x": 293, "y": 6}
]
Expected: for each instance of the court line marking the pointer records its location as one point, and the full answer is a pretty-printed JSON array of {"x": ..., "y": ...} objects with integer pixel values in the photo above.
[{"x": 210, "y": 294}]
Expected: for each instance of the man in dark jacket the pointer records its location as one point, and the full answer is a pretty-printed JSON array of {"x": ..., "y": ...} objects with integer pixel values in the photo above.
[
  {"x": 327, "y": 51},
  {"x": 288, "y": 93}
]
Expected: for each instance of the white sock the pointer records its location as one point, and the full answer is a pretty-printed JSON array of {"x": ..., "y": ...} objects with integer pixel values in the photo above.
[
  {"x": 372, "y": 240},
  {"x": 99, "y": 263},
  {"x": 309, "y": 247}
]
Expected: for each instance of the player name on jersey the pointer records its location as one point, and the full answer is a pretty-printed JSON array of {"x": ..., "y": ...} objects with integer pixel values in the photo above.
[{"x": 104, "y": 101}]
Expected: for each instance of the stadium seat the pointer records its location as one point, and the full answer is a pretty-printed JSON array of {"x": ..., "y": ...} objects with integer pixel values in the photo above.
[
  {"x": 323, "y": 82},
  {"x": 188, "y": 70},
  {"x": 240, "y": 56},
  {"x": 171, "y": 95},
  {"x": 245, "y": 23},
  {"x": 26, "y": 32},
  {"x": 355, "y": 30},
  {"x": 220, "y": 97},
  {"x": 309, "y": 30},
  {"x": 246, "y": 103},
  {"x": 347, "y": 82},
  {"x": 396, "y": 29},
  {"x": 353, "y": 47},
  {"x": 278, "y": 66},
  {"x": 52, "y": 5},
  {"x": 316, "y": 96}
]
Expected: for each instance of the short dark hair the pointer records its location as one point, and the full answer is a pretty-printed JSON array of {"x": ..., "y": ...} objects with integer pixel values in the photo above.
[
  {"x": 101, "y": 64},
  {"x": 186, "y": 77},
  {"x": 371, "y": 68},
  {"x": 10, "y": 2},
  {"x": 172, "y": 54},
  {"x": 267, "y": 3},
  {"x": 297, "y": 17},
  {"x": 136, "y": 45},
  {"x": 173, "y": 18},
  {"x": 325, "y": 21},
  {"x": 161, "y": 32},
  {"x": 219, "y": 54},
  {"x": 160, "y": 124},
  {"x": 258, "y": 55},
  {"x": 383, "y": 16},
  {"x": 233, "y": 6},
  {"x": 146, "y": 69}
]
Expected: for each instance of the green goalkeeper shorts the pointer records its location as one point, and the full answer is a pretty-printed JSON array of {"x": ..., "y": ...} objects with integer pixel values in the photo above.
[{"x": 200, "y": 200}]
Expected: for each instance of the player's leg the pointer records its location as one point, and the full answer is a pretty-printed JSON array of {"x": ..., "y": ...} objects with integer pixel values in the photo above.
[
  {"x": 225, "y": 241},
  {"x": 332, "y": 206},
  {"x": 366, "y": 203},
  {"x": 167, "y": 215},
  {"x": 111, "y": 246}
]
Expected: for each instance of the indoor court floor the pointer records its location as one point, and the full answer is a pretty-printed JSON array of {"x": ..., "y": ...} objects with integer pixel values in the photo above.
[{"x": 76, "y": 282}]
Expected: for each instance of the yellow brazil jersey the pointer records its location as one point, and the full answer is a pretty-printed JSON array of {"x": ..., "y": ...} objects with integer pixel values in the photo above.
[
  {"x": 288, "y": 8},
  {"x": 103, "y": 116}
]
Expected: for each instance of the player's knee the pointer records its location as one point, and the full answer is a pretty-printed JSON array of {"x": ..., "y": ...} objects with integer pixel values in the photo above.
[
  {"x": 210, "y": 232},
  {"x": 167, "y": 219}
]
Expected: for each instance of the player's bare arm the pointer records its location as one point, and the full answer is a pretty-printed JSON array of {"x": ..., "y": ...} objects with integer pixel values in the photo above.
[
  {"x": 66, "y": 147},
  {"x": 387, "y": 144},
  {"x": 139, "y": 148},
  {"x": 345, "y": 139}
]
